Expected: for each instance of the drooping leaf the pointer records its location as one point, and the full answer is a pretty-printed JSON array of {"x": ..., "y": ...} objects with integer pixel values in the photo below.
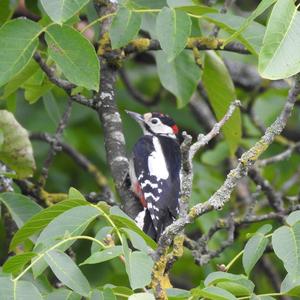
[
  {"x": 20, "y": 207},
  {"x": 286, "y": 244},
  {"x": 221, "y": 92},
  {"x": 251, "y": 37},
  {"x": 291, "y": 285},
  {"x": 124, "y": 27},
  {"x": 173, "y": 27},
  {"x": 16, "y": 263},
  {"x": 104, "y": 255},
  {"x": 279, "y": 57},
  {"x": 261, "y": 8},
  {"x": 16, "y": 151},
  {"x": 180, "y": 76},
  {"x": 42, "y": 219},
  {"x": 74, "y": 55},
  {"x": 20, "y": 290},
  {"x": 62, "y": 10},
  {"x": 67, "y": 272},
  {"x": 16, "y": 52},
  {"x": 254, "y": 249}
]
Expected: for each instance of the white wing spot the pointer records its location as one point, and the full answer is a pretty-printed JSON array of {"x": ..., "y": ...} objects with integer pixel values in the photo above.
[
  {"x": 147, "y": 195},
  {"x": 139, "y": 219},
  {"x": 148, "y": 182}
]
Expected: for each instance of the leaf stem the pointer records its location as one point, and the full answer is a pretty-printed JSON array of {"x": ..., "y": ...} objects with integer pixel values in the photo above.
[
  {"x": 41, "y": 255},
  {"x": 229, "y": 265}
]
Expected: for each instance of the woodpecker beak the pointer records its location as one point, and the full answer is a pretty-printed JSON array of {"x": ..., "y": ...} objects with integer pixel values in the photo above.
[{"x": 139, "y": 118}]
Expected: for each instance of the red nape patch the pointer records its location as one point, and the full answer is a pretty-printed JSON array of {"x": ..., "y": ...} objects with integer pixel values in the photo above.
[{"x": 175, "y": 129}]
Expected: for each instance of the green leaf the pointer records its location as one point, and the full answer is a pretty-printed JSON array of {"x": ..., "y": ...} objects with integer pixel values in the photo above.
[
  {"x": 221, "y": 92},
  {"x": 16, "y": 151},
  {"x": 67, "y": 272},
  {"x": 124, "y": 27},
  {"x": 128, "y": 223},
  {"x": 20, "y": 78},
  {"x": 254, "y": 250},
  {"x": 262, "y": 7},
  {"x": 74, "y": 55},
  {"x": 122, "y": 291},
  {"x": 75, "y": 195},
  {"x": 136, "y": 240},
  {"x": 279, "y": 57},
  {"x": 140, "y": 266},
  {"x": 180, "y": 76},
  {"x": 70, "y": 223},
  {"x": 291, "y": 285},
  {"x": 104, "y": 255},
  {"x": 62, "y": 10},
  {"x": 215, "y": 156},
  {"x": 1, "y": 139},
  {"x": 173, "y": 27},
  {"x": 20, "y": 290},
  {"x": 141, "y": 296},
  {"x": 20, "y": 207},
  {"x": 286, "y": 244},
  {"x": 238, "y": 285},
  {"x": 251, "y": 37},
  {"x": 258, "y": 297},
  {"x": 175, "y": 293},
  {"x": 15, "y": 53},
  {"x": 293, "y": 217},
  {"x": 63, "y": 294},
  {"x": 191, "y": 7},
  {"x": 42, "y": 219},
  {"x": 16, "y": 263},
  {"x": 215, "y": 293}
]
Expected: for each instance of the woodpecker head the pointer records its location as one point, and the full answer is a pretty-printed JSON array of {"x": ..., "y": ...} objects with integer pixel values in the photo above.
[{"x": 156, "y": 123}]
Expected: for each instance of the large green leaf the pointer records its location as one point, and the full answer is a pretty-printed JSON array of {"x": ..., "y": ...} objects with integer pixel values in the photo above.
[
  {"x": 63, "y": 294},
  {"x": 42, "y": 219},
  {"x": 74, "y": 55},
  {"x": 279, "y": 57},
  {"x": 70, "y": 223},
  {"x": 62, "y": 10},
  {"x": 255, "y": 248},
  {"x": 67, "y": 272},
  {"x": 251, "y": 37},
  {"x": 293, "y": 217},
  {"x": 124, "y": 27},
  {"x": 16, "y": 151},
  {"x": 16, "y": 263},
  {"x": 180, "y": 76},
  {"x": 20, "y": 207},
  {"x": 173, "y": 27},
  {"x": 104, "y": 255},
  {"x": 21, "y": 290},
  {"x": 261, "y": 7},
  {"x": 138, "y": 266},
  {"x": 16, "y": 52},
  {"x": 238, "y": 285},
  {"x": 286, "y": 244},
  {"x": 221, "y": 92}
]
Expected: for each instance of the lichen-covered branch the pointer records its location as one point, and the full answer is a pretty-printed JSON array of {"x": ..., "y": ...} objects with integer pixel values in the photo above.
[{"x": 222, "y": 195}]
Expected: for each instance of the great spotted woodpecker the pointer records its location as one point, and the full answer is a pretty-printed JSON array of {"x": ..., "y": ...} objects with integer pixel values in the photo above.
[{"x": 155, "y": 172}]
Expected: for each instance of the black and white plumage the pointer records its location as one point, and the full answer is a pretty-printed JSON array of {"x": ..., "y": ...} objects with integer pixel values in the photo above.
[{"x": 155, "y": 172}]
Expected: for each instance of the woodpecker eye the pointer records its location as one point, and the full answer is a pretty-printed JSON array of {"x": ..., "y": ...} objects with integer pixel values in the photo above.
[{"x": 154, "y": 121}]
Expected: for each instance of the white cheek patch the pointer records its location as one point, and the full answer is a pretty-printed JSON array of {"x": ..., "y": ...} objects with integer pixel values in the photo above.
[{"x": 156, "y": 163}]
